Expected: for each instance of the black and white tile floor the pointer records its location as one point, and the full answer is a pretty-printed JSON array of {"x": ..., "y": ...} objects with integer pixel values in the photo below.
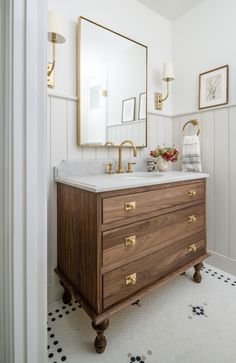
[{"x": 182, "y": 322}]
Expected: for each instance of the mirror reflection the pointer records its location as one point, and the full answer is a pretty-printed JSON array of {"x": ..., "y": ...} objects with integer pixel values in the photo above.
[{"x": 112, "y": 89}]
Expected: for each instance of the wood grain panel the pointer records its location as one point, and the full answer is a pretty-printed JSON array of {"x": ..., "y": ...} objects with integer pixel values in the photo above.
[
  {"x": 151, "y": 235},
  {"x": 221, "y": 182},
  {"x": 114, "y": 207},
  {"x": 149, "y": 269},
  {"x": 79, "y": 241}
]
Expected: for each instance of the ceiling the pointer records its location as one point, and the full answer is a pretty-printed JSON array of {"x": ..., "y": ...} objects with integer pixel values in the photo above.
[{"x": 170, "y": 9}]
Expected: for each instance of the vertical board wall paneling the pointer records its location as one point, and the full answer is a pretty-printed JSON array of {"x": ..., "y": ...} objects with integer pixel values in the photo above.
[
  {"x": 176, "y": 138},
  {"x": 232, "y": 183},
  {"x": 74, "y": 152},
  {"x": 221, "y": 181},
  {"x": 208, "y": 163}
]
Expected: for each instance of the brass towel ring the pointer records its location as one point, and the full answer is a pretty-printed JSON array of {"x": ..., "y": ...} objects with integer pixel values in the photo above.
[{"x": 194, "y": 122}]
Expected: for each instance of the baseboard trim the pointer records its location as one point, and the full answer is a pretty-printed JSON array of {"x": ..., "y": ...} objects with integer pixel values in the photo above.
[{"x": 222, "y": 262}]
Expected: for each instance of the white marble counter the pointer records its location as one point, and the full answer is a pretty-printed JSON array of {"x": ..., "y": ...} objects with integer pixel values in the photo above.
[{"x": 103, "y": 182}]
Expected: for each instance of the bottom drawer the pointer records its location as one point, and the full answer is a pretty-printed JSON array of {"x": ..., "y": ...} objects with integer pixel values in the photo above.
[{"x": 128, "y": 279}]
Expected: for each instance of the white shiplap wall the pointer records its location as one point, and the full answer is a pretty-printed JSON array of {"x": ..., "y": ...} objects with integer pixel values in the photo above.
[
  {"x": 218, "y": 134},
  {"x": 62, "y": 131}
]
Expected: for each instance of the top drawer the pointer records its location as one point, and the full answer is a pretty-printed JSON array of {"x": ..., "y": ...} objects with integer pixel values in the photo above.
[{"x": 135, "y": 205}]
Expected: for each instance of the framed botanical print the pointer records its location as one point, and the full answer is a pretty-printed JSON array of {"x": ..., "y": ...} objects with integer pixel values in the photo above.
[
  {"x": 128, "y": 109},
  {"x": 213, "y": 87},
  {"x": 142, "y": 106}
]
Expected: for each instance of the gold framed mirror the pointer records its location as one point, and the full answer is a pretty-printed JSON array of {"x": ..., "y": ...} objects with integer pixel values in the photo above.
[{"x": 112, "y": 87}]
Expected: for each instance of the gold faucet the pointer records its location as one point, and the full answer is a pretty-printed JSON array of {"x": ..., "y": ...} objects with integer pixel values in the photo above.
[{"x": 120, "y": 166}]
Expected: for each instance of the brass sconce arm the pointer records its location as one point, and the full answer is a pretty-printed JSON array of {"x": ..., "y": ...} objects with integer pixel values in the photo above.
[
  {"x": 159, "y": 99},
  {"x": 55, "y": 36},
  {"x": 168, "y": 76},
  {"x": 168, "y": 91},
  {"x": 50, "y": 70}
]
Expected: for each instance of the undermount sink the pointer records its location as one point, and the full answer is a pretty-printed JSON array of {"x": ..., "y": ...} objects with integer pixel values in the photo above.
[{"x": 137, "y": 175}]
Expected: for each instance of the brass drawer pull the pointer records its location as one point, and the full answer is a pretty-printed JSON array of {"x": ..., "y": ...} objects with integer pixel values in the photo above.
[
  {"x": 192, "y": 219},
  {"x": 130, "y": 205},
  {"x": 130, "y": 241},
  {"x": 131, "y": 279},
  {"x": 192, "y": 193},
  {"x": 192, "y": 248}
]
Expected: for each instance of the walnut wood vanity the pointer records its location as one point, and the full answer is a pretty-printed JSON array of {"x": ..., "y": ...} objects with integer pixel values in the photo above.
[{"x": 116, "y": 246}]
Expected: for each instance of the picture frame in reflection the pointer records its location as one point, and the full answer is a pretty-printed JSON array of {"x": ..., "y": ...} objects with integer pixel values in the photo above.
[
  {"x": 142, "y": 106},
  {"x": 128, "y": 109}
]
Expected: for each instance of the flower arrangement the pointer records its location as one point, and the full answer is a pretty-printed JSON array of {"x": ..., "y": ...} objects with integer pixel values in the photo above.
[{"x": 169, "y": 153}]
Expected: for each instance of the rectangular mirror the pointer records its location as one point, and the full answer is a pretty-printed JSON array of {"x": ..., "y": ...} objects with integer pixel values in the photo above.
[{"x": 112, "y": 87}]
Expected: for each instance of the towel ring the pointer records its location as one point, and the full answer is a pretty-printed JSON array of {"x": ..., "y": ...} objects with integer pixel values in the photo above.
[{"x": 194, "y": 122}]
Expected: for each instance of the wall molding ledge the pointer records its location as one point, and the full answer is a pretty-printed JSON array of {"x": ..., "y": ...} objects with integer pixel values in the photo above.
[
  {"x": 193, "y": 112},
  {"x": 222, "y": 262}
]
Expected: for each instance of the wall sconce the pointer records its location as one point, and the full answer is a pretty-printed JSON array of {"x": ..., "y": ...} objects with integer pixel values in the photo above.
[
  {"x": 55, "y": 31},
  {"x": 168, "y": 76}
]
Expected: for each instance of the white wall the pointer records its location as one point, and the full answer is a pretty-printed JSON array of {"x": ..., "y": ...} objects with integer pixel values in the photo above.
[
  {"x": 126, "y": 17},
  {"x": 203, "y": 39}
]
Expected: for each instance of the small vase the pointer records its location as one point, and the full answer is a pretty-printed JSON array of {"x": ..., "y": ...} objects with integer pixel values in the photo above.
[{"x": 162, "y": 164}]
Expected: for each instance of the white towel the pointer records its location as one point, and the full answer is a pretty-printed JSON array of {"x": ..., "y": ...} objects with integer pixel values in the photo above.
[{"x": 191, "y": 156}]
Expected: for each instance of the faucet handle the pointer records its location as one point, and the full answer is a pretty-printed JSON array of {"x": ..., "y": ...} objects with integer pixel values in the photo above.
[
  {"x": 130, "y": 167},
  {"x": 110, "y": 168}
]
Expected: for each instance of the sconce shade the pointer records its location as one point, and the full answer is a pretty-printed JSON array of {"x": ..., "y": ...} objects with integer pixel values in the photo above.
[
  {"x": 168, "y": 72},
  {"x": 55, "y": 28}
]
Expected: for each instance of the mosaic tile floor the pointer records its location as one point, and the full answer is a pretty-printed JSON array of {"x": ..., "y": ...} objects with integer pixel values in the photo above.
[{"x": 182, "y": 322}]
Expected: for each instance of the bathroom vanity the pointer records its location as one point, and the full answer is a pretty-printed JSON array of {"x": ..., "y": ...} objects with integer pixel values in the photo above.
[{"x": 120, "y": 237}]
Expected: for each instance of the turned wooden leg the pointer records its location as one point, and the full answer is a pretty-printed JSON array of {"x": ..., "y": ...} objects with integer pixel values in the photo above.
[
  {"x": 66, "y": 297},
  {"x": 197, "y": 275},
  {"x": 100, "y": 341}
]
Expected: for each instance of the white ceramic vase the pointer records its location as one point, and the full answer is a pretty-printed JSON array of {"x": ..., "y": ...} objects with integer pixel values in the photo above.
[{"x": 162, "y": 164}]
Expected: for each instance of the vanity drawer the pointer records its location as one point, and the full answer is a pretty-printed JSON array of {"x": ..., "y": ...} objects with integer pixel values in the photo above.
[
  {"x": 125, "y": 281},
  {"x": 136, "y": 205},
  {"x": 128, "y": 243}
]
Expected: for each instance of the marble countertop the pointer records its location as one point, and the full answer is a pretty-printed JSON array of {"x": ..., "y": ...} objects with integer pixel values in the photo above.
[{"x": 103, "y": 182}]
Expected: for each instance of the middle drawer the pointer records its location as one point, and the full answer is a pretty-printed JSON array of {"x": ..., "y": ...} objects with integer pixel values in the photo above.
[{"x": 125, "y": 244}]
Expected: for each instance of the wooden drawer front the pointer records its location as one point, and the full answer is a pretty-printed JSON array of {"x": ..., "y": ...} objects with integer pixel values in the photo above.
[
  {"x": 149, "y": 269},
  {"x": 122, "y": 245},
  {"x": 133, "y": 205}
]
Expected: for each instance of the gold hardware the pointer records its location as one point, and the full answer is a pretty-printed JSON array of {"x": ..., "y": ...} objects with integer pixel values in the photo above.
[
  {"x": 104, "y": 93},
  {"x": 192, "y": 219},
  {"x": 159, "y": 99},
  {"x": 130, "y": 241},
  {"x": 110, "y": 168},
  {"x": 120, "y": 166},
  {"x": 109, "y": 143},
  {"x": 131, "y": 279},
  {"x": 194, "y": 122},
  {"x": 192, "y": 248},
  {"x": 54, "y": 38},
  {"x": 51, "y": 75},
  {"x": 192, "y": 193},
  {"x": 130, "y": 205},
  {"x": 130, "y": 169}
]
